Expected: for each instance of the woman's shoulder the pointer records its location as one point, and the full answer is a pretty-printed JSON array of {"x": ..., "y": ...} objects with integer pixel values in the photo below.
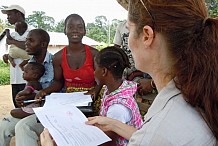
[
  {"x": 58, "y": 56},
  {"x": 93, "y": 51},
  {"x": 59, "y": 52}
]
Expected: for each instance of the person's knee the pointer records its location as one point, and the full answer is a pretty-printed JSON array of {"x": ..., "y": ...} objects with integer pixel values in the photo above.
[
  {"x": 26, "y": 125},
  {"x": 21, "y": 126},
  {"x": 3, "y": 124},
  {"x": 5, "y": 127}
]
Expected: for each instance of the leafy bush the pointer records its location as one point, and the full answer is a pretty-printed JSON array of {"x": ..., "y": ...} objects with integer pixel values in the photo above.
[{"x": 4, "y": 73}]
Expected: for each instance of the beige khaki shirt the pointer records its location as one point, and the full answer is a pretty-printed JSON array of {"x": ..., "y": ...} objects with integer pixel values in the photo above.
[{"x": 171, "y": 121}]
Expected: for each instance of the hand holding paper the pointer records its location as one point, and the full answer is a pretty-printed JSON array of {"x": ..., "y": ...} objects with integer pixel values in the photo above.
[{"x": 66, "y": 124}]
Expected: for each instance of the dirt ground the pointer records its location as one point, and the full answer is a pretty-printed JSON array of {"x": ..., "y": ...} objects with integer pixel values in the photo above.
[{"x": 6, "y": 103}]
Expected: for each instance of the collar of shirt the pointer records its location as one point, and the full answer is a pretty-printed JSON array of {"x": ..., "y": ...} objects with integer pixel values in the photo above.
[
  {"x": 46, "y": 60},
  {"x": 166, "y": 94},
  {"x": 124, "y": 87}
]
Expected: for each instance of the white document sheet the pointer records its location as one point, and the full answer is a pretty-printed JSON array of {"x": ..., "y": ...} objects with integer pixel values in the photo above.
[
  {"x": 67, "y": 126},
  {"x": 75, "y": 98}
]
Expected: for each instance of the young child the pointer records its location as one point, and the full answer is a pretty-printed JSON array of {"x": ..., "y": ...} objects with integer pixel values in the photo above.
[
  {"x": 14, "y": 51},
  {"x": 118, "y": 100},
  {"x": 33, "y": 71}
]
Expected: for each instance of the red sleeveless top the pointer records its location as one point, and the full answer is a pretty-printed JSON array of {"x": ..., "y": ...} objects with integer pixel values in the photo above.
[{"x": 82, "y": 77}]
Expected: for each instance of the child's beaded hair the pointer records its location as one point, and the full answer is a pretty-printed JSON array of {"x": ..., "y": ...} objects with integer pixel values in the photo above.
[{"x": 114, "y": 59}]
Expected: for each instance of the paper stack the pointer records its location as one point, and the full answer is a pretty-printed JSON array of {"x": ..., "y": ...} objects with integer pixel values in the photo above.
[{"x": 66, "y": 122}]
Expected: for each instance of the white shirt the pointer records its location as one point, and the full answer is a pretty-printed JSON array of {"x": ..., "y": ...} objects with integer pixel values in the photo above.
[
  {"x": 121, "y": 39},
  {"x": 171, "y": 121},
  {"x": 119, "y": 112},
  {"x": 16, "y": 74},
  {"x": 17, "y": 37},
  {"x": 121, "y": 30}
]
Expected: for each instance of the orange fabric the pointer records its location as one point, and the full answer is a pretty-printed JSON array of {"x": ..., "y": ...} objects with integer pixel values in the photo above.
[{"x": 82, "y": 77}]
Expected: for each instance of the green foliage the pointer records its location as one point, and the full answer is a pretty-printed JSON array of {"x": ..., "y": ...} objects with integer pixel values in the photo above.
[
  {"x": 59, "y": 27},
  {"x": 98, "y": 29},
  {"x": 97, "y": 34},
  {"x": 113, "y": 27},
  {"x": 102, "y": 30},
  {"x": 212, "y": 7},
  {"x": 101, "y": 47},
  {"x": 39, "y": 20},
  {"x": 101, "y": 21},
  {"x": 4, "y": 73},
  {"x": 1, "y": 25},
  {"x": 4, "y": 25}
]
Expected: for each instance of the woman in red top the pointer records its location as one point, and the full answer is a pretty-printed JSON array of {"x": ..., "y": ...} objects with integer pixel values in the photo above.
[
  {"x": 73, "y": 65},
  {"x": 78, "y": 78}
]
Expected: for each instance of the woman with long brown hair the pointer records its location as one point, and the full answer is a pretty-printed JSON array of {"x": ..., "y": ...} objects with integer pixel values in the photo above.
[{"x": 175, "y": 42}]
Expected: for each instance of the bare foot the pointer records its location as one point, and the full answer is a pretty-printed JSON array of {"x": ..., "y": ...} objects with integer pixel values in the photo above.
[
  {"x": 11, "y": 61},
  {"x": 5, "y": 58}
]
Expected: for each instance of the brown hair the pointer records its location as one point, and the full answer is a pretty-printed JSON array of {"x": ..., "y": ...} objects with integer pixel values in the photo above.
[{"x": 192, "y": 40}]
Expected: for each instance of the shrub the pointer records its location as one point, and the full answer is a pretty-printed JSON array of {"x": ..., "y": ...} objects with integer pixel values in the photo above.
[{"x": 4, "y": 73}]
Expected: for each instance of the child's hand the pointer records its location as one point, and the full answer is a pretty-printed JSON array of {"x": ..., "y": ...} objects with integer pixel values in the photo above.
[
  {"x": 11, "y": 61},
  {"x": 40, "y": 95},
  {"x": 19, "y": 100}
]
